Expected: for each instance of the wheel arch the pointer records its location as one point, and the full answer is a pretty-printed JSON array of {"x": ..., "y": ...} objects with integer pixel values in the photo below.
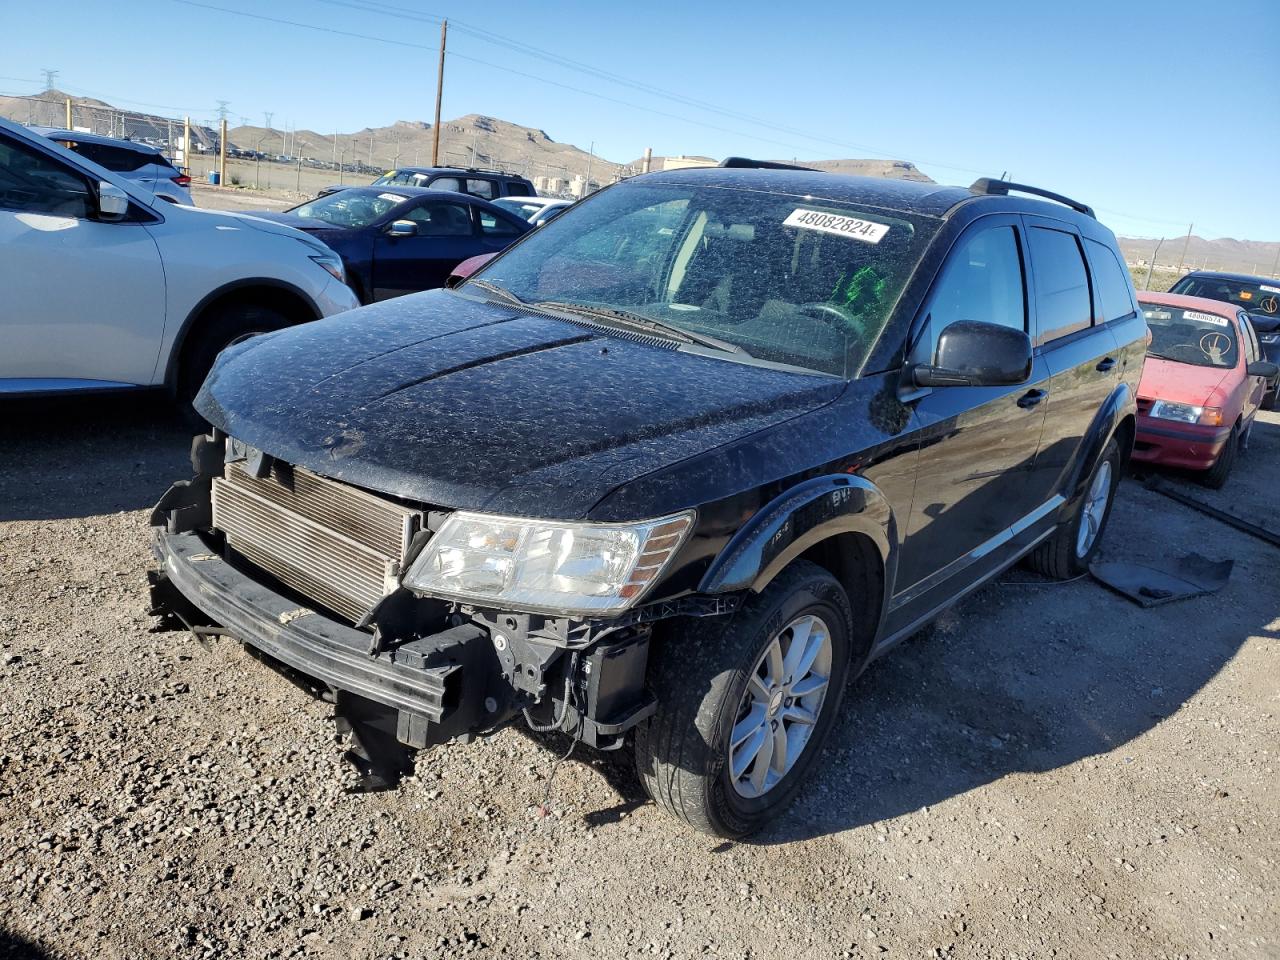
[
  {"x": 842, "y": 523},
  {"x": 1116, "y": 419},
  {"x": 263, "y": 291}
]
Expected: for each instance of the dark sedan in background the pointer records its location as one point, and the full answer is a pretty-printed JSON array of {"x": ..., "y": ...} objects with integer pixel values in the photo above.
[
  {"x": 1257, "y": 296},
  {"x": 401, "y": 240}
]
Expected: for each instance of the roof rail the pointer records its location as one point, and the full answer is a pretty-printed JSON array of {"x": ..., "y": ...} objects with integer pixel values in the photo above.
[
  {"x": 746, "y": 163},
  {"x": 990, "y": 187}
]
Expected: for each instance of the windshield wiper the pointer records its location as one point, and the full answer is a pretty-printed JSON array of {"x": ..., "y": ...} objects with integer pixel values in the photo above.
[
  {"x": 503, "y": 292},
  {"x": 648, "y": 324}
]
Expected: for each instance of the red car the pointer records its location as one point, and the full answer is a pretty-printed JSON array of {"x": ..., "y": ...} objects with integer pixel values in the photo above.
[{"x": 1202, "y": 383}]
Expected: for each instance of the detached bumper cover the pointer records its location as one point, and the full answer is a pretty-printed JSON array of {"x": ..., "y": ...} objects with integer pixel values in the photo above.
[{"x": 307, "y": 641}]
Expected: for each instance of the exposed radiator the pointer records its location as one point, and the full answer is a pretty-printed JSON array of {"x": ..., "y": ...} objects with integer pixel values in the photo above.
[{"x": 336, "y": 545}]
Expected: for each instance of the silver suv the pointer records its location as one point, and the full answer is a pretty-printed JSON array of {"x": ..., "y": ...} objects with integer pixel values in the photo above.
[{"x": 138, "y": 162}]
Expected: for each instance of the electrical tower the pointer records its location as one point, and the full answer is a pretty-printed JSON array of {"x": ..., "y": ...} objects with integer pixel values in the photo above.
[
  {"x": 50, "y": 77},
  {"x": 222, "y": 109},
  {"x": 266, "y": 116}
]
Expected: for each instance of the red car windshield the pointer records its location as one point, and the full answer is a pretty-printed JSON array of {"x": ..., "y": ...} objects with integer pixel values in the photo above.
[{"x": 1190, "y": 336}]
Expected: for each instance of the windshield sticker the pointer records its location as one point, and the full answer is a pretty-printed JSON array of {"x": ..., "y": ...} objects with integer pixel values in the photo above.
[
  {"x": 1204, "y": 317},
  {"x": 1157, "y": 314},
  {"x": 1263, "y": 286},
  {"x": 864, "y": 230},
  {"x": 1246, "y": 294},
  {"x": 393, "y": 197}
]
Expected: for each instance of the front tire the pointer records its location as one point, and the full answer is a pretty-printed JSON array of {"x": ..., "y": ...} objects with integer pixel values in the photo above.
[
  {"x": 1216, "y": 476},
  {"x": 1070, "y": 549},
  {"x": 229, "y": 326},
  {"x": 746, "y": 704}
]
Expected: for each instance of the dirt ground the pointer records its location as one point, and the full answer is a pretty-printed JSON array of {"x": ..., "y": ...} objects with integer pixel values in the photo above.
[{"x": 1050, "y": 772}]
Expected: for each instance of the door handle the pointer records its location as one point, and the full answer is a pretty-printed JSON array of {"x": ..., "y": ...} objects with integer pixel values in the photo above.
[
  {"x": 1105, "y": 364},
  {"x": 1031, "y": 398}
]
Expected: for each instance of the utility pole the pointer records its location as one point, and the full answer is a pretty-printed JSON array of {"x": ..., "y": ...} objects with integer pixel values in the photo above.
[
  {"x": 1185, "y": 243},
  {"x": 586, "y": 188},
  {"x": 435, "y": 129},
  {"x": 371, "y": 148},
  {"x": 1152, "y": 265},
  {"x": 50, "y": 77},
  {"x": 68, "y": 126},
  {"x": 222, "y": 152},
  {"x": 186, "y": 145}
]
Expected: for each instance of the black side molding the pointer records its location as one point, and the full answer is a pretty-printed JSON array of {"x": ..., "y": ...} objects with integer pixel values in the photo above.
[{"x": 990, "y": 187}]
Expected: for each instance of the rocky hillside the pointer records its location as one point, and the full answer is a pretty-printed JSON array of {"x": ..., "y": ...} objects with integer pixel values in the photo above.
[{"x": 1235, "y": 256}]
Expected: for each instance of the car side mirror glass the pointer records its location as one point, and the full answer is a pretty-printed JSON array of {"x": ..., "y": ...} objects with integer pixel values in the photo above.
[
  {"x": 402, "y": 228},
  {"x": 113, "y": 203},
  {"x": 1262, "y": 368},
  {"x": 975, "y": 354}
]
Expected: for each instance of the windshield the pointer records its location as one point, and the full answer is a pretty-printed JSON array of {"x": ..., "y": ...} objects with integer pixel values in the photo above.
[
  {"x": 348, "y": 208},
  {"x": 1259, "y": 297},
  {"x": 805, "y": 282},
  {"x": 1190, "y": 336}
]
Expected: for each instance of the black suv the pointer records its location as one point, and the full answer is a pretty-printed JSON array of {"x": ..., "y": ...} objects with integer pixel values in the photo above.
[
  {"x": 485, "y": 184},
  {"x": 678, "y": 464}
]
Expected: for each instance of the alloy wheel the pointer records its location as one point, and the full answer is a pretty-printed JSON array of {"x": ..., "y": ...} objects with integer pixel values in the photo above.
[
  {"x": 1094, "y": 510},
  {"x": 785, "y": 694}
]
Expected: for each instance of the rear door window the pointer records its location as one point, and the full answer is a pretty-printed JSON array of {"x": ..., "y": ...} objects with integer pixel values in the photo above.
[
  {"x": 1111, "y": 282},
  {"x": 447, "y": 183},
  {"x": 1062, "y": 284},
  {"x": 115, "y": 159},
  {"x": 479, "y": 187},
  {"x": 517, "y": 189},
  {"x": 492, "y": 225}
]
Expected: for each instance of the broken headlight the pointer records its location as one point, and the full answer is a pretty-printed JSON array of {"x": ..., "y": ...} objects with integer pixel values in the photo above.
[{"x": 546, "y": 565}]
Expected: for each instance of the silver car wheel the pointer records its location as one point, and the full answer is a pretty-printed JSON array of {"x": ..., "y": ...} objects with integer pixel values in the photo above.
[
  {"x": 1094, "y": 510},
  {"x": 785, "y": 693}
]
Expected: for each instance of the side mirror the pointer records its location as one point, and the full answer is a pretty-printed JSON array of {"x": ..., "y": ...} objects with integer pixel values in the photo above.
[
  {"x": 1262, "y": 368},
  {"x": 113, "y": 203},
  {"x": 402, "y": 228},
  {"x": 974, "y": 354}
]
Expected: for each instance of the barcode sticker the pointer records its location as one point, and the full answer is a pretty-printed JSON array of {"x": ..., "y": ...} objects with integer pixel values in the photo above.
[
  {"x": 1204, "y": 317},
  {"x": 867, "y": 231}
]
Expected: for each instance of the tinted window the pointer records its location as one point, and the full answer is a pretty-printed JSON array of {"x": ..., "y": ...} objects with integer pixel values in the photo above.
[
  {"x": 494, "y": 226},
  {"x": 1111, "y": 280},
  {"x": 982, "y": 281},
  {"x": 437, "y": 219},
  {"x": 1263, "y": 297},
  {"x": 34, "y": 183},
  {"x": 481, "y": 188},
  {"x": 1251, "y": 349},
  {"x": 1190, "y": 336},
  {"x": 447, "y": 183},
  {"x": 116, "y": 159},
  {"x": 808, "y": 283},
  {"x": 1062, "y": 285},
  {"x": 516, "y": 188}
]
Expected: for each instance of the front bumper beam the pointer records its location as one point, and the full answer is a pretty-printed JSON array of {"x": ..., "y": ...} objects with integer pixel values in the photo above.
[{"x": 413, "y": 677}]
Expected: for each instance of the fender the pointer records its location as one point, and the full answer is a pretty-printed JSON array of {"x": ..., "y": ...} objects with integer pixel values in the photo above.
[
  {"x": 1120, "y": 404},
  {"x": 179, "y": 340},
  {"x": 807, "y": 514}
]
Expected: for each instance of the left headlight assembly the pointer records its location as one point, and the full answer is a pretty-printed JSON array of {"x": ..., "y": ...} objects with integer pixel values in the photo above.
[{"x": 585, "y": 569}]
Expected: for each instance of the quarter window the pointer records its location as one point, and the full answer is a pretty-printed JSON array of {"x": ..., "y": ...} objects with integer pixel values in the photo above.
[
  {"x": 1062, "y": 284},
  {"x": 1111, "y": 281},
  {"x": 32, "y": 182}
]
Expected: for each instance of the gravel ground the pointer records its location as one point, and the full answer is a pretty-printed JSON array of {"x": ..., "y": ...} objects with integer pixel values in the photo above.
[{"x": 1049, "y": 772}]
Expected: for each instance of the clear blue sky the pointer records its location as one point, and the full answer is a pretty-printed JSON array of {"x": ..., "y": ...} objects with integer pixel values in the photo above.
[{"x": 1157, "y": 114}]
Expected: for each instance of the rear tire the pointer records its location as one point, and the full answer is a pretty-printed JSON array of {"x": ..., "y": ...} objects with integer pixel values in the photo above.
[
  {"x": 1216, "y": 476},
  {"x": 1069, "y": 550},
  {"x": 228, "y": 326},
  {"x": 708, "y": 678}
]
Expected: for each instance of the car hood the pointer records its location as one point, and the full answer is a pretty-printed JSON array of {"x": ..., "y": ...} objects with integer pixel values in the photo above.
[
  {"x": 1180, "y": 382},
  {"x": 293, "y": 222},
  {"x": 446, "y": 400}
]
